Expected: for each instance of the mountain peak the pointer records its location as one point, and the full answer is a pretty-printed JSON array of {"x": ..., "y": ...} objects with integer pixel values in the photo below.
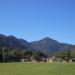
[
  {"x": 46, "y": 44},
  {"x": 1, "y": 35},
  {"x": 11, "y": 36},
  {"x": 48, "y": 39}
]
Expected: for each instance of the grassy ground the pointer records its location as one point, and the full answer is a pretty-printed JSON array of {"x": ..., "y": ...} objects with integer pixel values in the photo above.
[{"x": 37, "y": 69}]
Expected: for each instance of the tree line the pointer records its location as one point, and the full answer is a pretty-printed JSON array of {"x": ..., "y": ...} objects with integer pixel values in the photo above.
[{"x": 14, "y": 55}]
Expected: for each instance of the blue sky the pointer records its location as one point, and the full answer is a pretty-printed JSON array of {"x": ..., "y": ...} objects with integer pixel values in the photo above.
[{"x": 36, "y": 19}]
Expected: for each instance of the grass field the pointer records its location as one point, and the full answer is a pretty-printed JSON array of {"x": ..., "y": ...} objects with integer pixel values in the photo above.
[{"x": 37, "y": 69}]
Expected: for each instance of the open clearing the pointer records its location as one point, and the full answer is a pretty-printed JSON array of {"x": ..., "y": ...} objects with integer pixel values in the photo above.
[{"x": 37, "y": 69}]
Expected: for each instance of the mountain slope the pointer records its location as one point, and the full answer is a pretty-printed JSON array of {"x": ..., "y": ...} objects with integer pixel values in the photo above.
[
  {"x": 12, "y": 42},
  {"x": 47, "y": 45}
]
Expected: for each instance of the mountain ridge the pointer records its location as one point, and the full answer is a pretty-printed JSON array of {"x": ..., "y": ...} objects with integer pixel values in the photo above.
[{"x": 45, "y": 45}]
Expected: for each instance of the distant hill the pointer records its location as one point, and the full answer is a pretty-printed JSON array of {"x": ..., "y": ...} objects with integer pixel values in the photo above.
[
  {"x": 13, "y": 42},
  {"x": 45, "y": 45}
]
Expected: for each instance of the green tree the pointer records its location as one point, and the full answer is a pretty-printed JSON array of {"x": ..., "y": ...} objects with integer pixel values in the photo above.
[
  {"x": 38, "y": 56},
  {"x": 27, "y": 54},
  {"x": 65, "y": 55}
]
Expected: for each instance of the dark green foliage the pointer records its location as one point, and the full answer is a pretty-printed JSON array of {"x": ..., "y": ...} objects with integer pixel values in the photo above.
[
  {"x": 27, "y": 55},
  {"x": 39, "y": 55},
  {"x": 65, "y": 55},
  {"x": 14, "y": 55}
]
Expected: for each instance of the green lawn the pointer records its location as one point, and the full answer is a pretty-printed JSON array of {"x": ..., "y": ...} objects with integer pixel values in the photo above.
[{"x": 37, "y": 69}]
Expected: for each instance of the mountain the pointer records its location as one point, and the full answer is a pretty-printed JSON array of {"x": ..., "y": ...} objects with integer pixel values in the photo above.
[
  {"x": 46, "y": 45},
  {"x": 13, "y": 42}
]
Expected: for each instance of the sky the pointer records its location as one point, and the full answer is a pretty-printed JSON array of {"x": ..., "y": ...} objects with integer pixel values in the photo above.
[{"x": 36, "y": 19}]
